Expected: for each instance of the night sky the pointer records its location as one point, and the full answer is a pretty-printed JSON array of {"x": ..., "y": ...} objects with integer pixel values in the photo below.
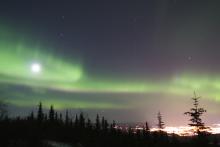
[{"x": 125, "y": 60}]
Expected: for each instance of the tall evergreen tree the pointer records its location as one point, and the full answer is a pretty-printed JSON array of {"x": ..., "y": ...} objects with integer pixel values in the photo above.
[
  {"x": 97, "y": 124},
  {"x": 3, "y": 111},
  {"x": 106, "y": 125},
  {"x": 76, "y": 123},
  {"x": 195, "y": 113},
  {"x": 40, "y": 114},
  {"x": 81, "y": 120},
  {"x": 160, "y": 122},
  {"x": 147, "y": 129},
  {"x": 31, "y": 117},
  {"x": 103, "y": 123},
  {"x": 51, "y": 113},
  {"x": 89, "y": 124},
  {"x": 67, "y": 118}
]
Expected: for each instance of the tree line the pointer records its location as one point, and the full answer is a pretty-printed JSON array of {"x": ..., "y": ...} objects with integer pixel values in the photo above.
[{"x": 36, "y": 130}]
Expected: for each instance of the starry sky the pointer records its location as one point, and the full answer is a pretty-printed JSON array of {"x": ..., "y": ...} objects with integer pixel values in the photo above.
[{"x": 125, "y": 60}]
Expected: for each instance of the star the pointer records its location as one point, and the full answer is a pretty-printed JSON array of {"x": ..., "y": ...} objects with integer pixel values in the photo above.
[
  {"x": 61, "y": 35},
  {"x": 189, "y": 58}
]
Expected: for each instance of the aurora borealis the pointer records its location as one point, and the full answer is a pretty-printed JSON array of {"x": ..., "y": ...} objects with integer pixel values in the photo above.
[{"x": 126, "y": 61}]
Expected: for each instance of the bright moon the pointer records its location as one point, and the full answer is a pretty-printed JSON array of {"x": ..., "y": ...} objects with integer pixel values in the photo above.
[{"x": 36, "y": 68}]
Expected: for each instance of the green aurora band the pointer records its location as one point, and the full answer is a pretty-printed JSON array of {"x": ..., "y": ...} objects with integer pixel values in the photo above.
[{"x": 62, "y": 75}]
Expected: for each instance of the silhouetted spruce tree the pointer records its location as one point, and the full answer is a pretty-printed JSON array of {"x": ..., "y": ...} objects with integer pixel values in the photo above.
[
  {"x": 81, "y": 120},
  {"x": 89, "y": 124},
  {"x": 103, "y": 123},
  {"x": 31, "y": 117},
  {"x": 147, "y": 129},
  {"x": 106, "y": 125},
  {"x": 195, "y": 113},
  {"x": 51, "y": 113},
  {"x": 67, "y": 118},
  {"x": 76, "y": 123},
  {"x": 3, "y": 111},
  {"x": 40, "y": 114},
  {"x": 160, "y": 122},
  {"x": 97, "y": 124}
]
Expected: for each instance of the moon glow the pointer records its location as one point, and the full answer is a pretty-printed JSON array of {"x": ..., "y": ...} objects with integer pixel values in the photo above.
[{"x": 36, "y": 68}]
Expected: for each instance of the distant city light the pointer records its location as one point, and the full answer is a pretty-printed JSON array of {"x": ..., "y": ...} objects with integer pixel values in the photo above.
[{"x": 181, "y": 130}]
